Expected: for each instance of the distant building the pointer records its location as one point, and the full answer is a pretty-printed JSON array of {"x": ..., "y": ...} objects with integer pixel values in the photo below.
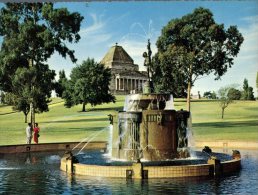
[{"x": 126, "y": 77}]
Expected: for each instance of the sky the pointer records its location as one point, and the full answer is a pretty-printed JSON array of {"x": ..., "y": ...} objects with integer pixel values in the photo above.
[{"x": 131, "y": 24}]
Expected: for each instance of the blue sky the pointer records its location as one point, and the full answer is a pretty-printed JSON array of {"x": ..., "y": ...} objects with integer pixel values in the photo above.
[{"x": 130, "y": 24}]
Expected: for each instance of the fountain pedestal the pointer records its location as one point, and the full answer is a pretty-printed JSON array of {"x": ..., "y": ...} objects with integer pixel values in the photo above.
[{"x": 145, "y": 130}]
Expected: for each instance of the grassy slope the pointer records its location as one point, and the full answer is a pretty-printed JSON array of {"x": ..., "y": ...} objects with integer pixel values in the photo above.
[
  {"x": 240, "y": 121},
  {"x": 62, "y": 124}
]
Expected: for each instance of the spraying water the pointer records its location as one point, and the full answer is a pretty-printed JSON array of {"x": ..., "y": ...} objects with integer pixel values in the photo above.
[
  {"x": 110, "y": 140},
  {"x": 93, "y": 137},
  {"x": 170, "y": 103},
  {"x": 190, "y": 137}
]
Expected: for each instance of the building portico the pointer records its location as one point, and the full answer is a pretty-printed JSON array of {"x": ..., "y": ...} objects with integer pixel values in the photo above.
[{"x": 126, "y": 77}]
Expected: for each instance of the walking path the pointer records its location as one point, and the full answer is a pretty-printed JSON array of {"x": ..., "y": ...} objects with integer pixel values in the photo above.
[{"x": 227, "y": 144}]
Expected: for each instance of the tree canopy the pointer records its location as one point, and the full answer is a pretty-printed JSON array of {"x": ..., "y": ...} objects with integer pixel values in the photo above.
[
  {"x": 193, "y": 46},
  {"x": 32, "y": 32},
  {"x": 89, "y": 83},
  {"x": 210, "y": 95},
  {"x": 234, "y": 94},
  {"x": 60, "y": 85}
]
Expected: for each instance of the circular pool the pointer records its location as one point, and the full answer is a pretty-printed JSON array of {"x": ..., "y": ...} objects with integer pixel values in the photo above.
[{"x": 39, "y": 173}]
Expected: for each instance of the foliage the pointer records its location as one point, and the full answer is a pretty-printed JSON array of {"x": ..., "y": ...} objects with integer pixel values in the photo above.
[
  {"x": 31, "y": 33},
  {"x": 247, "y": 93},
  {"x": 42, "y": 80},
  {"x": 18, "y": 103},
  {"x": 193, "y": 46},
  {"x": 224, "y": 99},
  {"x": 166, "y": 79},
  {"x": 2, "y": 98},
  {"x": 89, "y": 84},
  {"x": 61, "y": 84},
  {"x": 234, "y": 94},
  {"x": 210, "y": 95}
]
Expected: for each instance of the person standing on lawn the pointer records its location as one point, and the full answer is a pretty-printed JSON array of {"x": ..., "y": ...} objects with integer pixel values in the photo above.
[
  {"x": 36, "y": 133},
  {"x": 29, "y": 133}
]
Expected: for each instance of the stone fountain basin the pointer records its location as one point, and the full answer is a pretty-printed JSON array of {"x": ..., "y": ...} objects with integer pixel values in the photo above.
[
  {"x": 95, "y": 163},
  {"x": 96, "y": 157}
]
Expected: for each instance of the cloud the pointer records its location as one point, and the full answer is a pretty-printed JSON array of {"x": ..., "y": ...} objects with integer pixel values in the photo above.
[
  {"x": 135, "y": 41},
  {"x": 250, "y": 34},
  {"x": 96, "y": 32}
]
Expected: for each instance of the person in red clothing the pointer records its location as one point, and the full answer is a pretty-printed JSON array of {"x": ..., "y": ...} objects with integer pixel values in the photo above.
[{"x": 36, "y": 133}]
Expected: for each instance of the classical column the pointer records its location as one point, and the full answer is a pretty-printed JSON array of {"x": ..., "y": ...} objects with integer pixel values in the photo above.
[
  {"x": 129, "y": 84},
  {"x": 117, "y": 84},
  {"x": 123, "y": 83}
]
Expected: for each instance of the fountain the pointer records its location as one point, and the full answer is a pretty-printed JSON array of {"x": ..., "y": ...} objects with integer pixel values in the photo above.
[
  {"x": 147, "y": 130},
  {"x": 150, "y": 140}
]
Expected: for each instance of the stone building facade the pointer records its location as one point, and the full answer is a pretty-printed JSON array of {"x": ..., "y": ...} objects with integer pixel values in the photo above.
[{"x": 126, "y": 77}]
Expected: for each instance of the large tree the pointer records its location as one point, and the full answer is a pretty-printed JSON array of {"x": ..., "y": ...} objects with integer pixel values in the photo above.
[
  {"x": 193, "y": 46},
  {"x": 32, "y": 32},
  {"x": 89, "y": 84}
]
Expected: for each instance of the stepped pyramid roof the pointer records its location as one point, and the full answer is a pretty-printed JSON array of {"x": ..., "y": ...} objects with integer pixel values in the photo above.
[{"x": 117, "y": 54}]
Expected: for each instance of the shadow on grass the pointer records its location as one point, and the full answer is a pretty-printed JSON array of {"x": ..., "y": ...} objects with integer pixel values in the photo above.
[
  {"x": 117, "y": 108},
  {"x": 88, "y": 129},
  {"x": 12, "y": 112},
  {"x": 227, "y": 124},
  {"x": 75, "y": 129},
  {"x": 251, "y": 108},
  {"x": 78, "y": 120}
]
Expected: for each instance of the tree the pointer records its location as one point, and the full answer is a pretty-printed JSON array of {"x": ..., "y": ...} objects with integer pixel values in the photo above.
[
  {"x": 245, "y": 90},
  {"x": 61, "y": 84},
  {"x": 210, "y": 95},
  {"x": 224, "y": 99},
  {"x": 21, "y": 96},
  {"x": 89, "y": 84},
  {"x": 248, "y": 93},
  {"x": 193, "y": 46},
  {"x": 162, "y": 78},
  {"x": 213, "y": 95},
  {"x": 18, "y": 104},
  {"x": 234, "y": 94},
  {"x": 31, "y": 33}
]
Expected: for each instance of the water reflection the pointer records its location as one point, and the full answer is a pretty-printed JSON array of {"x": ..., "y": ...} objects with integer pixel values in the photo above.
[{"x": 38, "y": 173}]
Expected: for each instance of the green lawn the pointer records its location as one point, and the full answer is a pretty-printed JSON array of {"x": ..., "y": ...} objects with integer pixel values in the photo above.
[
  {"x": 240, "y": 121},
  {"x": 61, "y": 124}
]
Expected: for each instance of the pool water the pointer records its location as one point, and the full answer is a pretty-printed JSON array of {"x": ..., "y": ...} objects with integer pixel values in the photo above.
[{"x": 38, "y": 173}]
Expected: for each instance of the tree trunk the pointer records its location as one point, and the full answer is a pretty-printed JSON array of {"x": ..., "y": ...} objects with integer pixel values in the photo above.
[
  {"x": 32, "y": 109},
  {"x": 26, "y": 118},
  {"x": 189, "y": 87},
  {"x": 188, "y": 96},
  {"x": 222, "y": 113},
  {"x": 83, "y": 107},
  {"x": 32, "y": 115}
]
